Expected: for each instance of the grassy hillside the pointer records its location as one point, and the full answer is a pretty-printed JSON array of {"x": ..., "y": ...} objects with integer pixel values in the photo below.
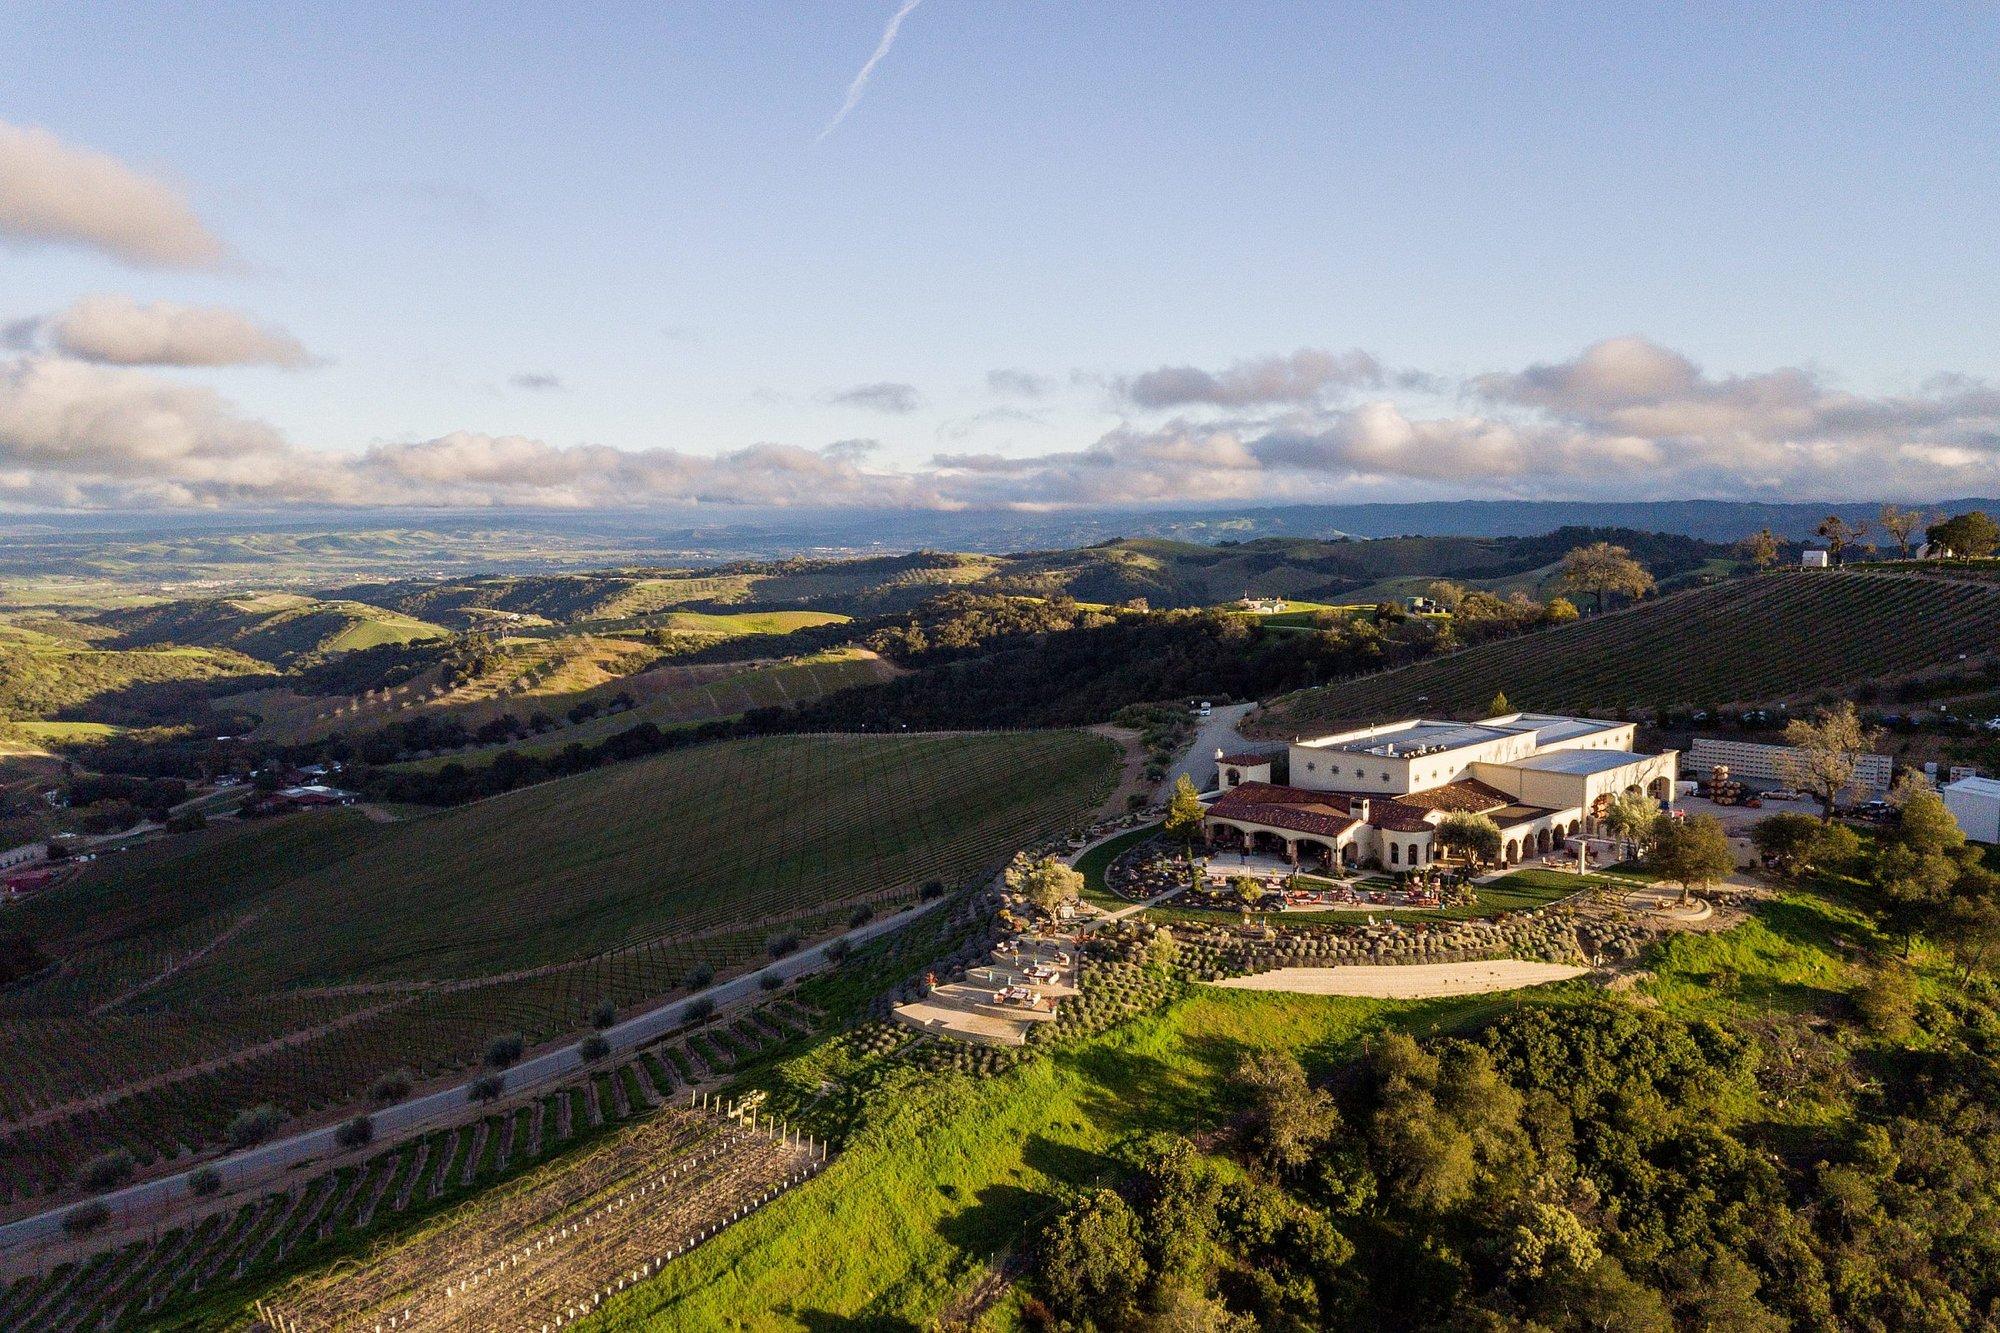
[
  {"x": 1781, "y": 636},
  {"x": 50, "y": 680},
  {"x": 672, "y": 696},
  {"x": 279, "y": 628}
]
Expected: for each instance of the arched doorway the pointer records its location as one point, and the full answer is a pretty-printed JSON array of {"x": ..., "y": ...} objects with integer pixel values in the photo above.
[
  {"x": 1513, "y": 852},
  {"x": 1660, "y": 790}
]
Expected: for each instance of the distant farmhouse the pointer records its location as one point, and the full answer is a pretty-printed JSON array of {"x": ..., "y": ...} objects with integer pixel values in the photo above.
[
  {"x": 1261, "y": 606},
  {"x": 1377, "y": 794}
]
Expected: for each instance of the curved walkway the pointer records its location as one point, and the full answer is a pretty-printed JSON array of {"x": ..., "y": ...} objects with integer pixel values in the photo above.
[
  {"x": 1407, "y": 981},
  {"x": 254, "y": 1164}
]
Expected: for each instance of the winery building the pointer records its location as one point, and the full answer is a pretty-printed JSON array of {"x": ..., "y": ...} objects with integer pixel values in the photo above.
[{"x": 1376, "y": 794}]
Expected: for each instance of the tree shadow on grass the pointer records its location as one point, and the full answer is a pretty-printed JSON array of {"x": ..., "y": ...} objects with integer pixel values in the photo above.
[{"x": 822, "y": 1321}]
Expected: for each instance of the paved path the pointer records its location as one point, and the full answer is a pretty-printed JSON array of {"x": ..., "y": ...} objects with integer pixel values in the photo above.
[
  {"x": 418, "y": 1113},
  {"x": 1407, "y": 981},
  {"x": 1217, "y": 733}
]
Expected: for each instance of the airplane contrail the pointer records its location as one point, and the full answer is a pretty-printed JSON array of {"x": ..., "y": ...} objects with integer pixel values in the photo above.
[{"x": 860, "y": 84}]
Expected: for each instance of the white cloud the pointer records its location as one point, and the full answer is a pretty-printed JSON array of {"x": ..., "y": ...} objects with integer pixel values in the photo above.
[
  {"x": 125, "y": 436},
  {"x": 1625, "y": 419},
  {"x": 890, "y": 397},
  {"x": 118, "y": 331},
  {"x": 1303, "y": 377},
  {"x": 52, "y": 192}
]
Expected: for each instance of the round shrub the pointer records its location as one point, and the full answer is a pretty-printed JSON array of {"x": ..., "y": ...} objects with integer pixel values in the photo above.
[
  {"x": 698, "y": 976},
  {"x": 861, "y": 915},
  {"x": 85, "y": 1217},
  {"x": 593, "y": 1048},
  {"x": 254, "y": 1125},
  {"x": 604, "y": 1015},
  {"x": 770, "y": 981},
  {"x": 391, "y": 1087},
  {"x": 355, "y": 1133},
  {"x": 108, "y": 1170},
  {"x": 486, "y": 1089},
  {"x": 698, "y": 1011},
  {"x": 504, "y": 1051},
  {"x": 205, "y": 1182},
  {"x": 780, "y": 945}
]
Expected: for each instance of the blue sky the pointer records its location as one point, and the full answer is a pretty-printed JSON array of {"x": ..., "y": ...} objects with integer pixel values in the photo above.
[{"x": 1782, "y": 217}]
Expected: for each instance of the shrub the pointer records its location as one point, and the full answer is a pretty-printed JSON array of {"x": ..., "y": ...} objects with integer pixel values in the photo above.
[
  {"x": 205, "y": 1182},
  {"x": 780, "y": 945},
  {"x": 391, "y": 1087},
  {"x": 254, "y": 1125},
  {"x": 861, "y": 916},
  {"x": 504, "y": 1051},
  {"x": 933, "y": 890},
  {"x": 593, "y": 1049},
  {"x": 486, "y": 1089},
  {"x": 85, "y": 1218},
  {"x": 838, "y": 949},
  {"x": 698, "y": 1011},
  {"x": 355, "y": 1133},
  {"x": 604, "y": 1015},
  {"x": 108, "y": 1170},
  {"x": 770, "y": 981},
  {"x": 698, "y": 976}
]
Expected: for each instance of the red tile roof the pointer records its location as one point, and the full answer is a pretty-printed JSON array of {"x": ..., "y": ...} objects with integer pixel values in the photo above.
[
  {"x": 1321, "y": 812},
  {"x": 1397, "y": 817},
  {"x": 1469, "y": 794}
]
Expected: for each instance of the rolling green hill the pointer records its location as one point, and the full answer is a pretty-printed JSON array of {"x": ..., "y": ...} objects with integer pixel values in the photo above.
[
  {"x": 1789, "y": 635},
  {"x": 280, "y": 628}
]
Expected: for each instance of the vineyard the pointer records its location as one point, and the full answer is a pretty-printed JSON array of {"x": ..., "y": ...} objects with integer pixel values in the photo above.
[
  {"x": 544, "y": 1251},
  {"x": 1775, "y": 637},
  {"x": 196, "y": 983},
  {"x": 241, "y": 1246}
]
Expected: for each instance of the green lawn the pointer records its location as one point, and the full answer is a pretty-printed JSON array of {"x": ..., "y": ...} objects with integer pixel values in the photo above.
[
  {"x": 1093, "y": 863},
  {"x": 960, "y": 1168}
]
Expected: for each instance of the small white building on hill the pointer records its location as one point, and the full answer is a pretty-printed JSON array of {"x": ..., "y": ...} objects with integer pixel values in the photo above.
[{"x": 1975, "y": 804}]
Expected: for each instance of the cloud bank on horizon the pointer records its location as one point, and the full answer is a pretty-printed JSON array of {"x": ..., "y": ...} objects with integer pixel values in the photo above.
[
  {"x": 92, "y": 415},
  {"x": 1624, "y": 418}
]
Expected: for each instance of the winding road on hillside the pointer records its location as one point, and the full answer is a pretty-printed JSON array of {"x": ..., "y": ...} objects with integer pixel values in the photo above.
[
  {"x": 1218, "y": 732},
  {"x": 258, "y": 1165}
]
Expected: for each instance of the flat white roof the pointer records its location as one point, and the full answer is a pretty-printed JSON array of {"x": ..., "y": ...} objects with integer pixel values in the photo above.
[
  {"x": 1977, "y": 787},
  {"x": 1550, "y": 728},
  {"x": 1416, "y": 737},
  {"x": 1579, "y": 761},
  {"x": 1431, "y": 735}
]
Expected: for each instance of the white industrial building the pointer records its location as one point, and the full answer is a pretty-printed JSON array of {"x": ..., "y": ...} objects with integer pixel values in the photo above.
[
  {"x": 1763, "y": 764},
  {"x": 1975, "y": 804}
]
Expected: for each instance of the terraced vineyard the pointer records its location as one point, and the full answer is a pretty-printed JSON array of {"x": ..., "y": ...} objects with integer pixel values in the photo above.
[
  {"x": 235, "y": 1247},
  {"x": 545, "y": 1250},
  {"x": 296, "y": 961},
  {"x": 1778, "y": 636}
]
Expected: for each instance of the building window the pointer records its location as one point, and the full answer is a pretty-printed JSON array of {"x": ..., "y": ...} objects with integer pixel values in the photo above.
[
  {"x": 1395, "y": 854},
  {"x": 1385, "y": 777},
  {"x": 1309, "y": 765},
  {"x": 1333, "y": 769}
]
